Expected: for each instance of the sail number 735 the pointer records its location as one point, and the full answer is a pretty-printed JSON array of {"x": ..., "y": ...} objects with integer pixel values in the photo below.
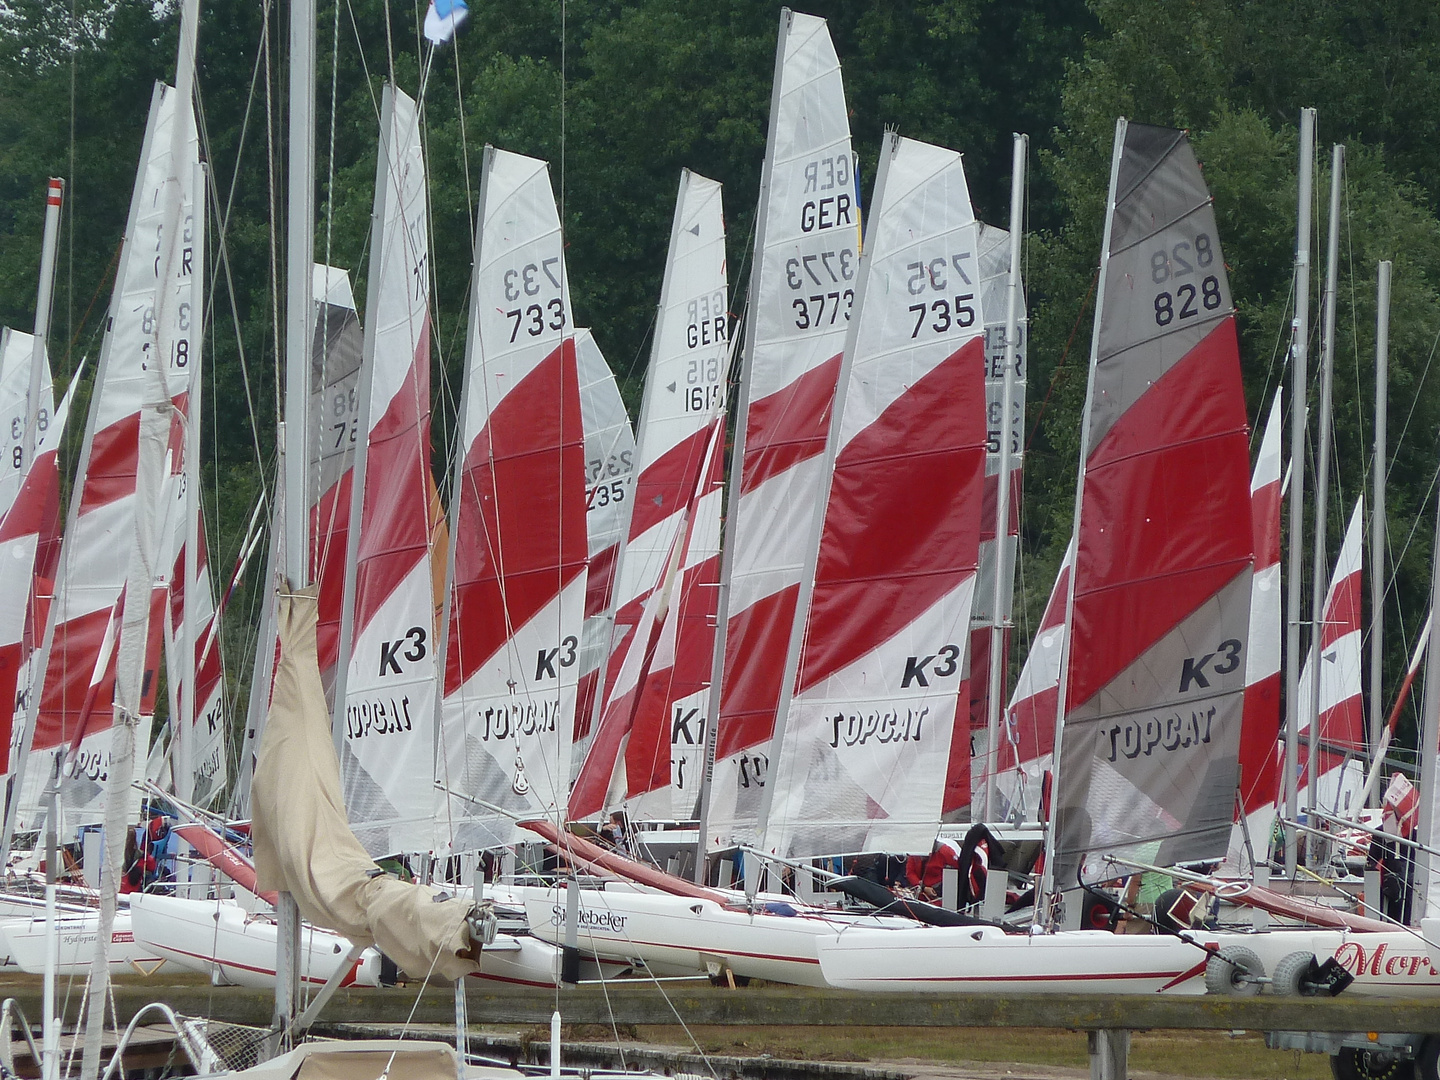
[{"x": 934, "y": 275}]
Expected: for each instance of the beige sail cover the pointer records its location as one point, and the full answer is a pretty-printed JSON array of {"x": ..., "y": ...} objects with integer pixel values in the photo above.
[{"x": 303, "y": 843}]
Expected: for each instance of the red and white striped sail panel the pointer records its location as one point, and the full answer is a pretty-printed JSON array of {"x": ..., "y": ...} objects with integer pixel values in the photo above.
[
  {"x": 209, "y": 732},
  {"x": 335, "y": 356},
  {"x": 630, "y": 754},
  {"x": 148, "y": 331},
  {"x": 1341, "y": 746},
  {"x": 802, "y": 289},
  {"x": 1027, "y": 739},
  {"x": 864, "y": 743},
  {"x": 683, "y": 388},
  {"x": 517, "y": 595},
  {"x": 387, "y": 755},
  {"x": 968, "y": 749},
  {"x": 609, "y": 491},
  {"x": 29, "y": 528},
  {"x": 1261, "y": 757},
  {"x": 1160, "y": 597}
]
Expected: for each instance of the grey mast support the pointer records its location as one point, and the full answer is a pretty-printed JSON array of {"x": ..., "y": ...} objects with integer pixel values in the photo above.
[
  {"x": 54, "y": 196},
  {"x": 1426, "y": 866},
  {"x": 299, "y": 315},
  {"x": 1299, "y": 348},
  {"x": 1319, "y": 576},
  {"x": 1379, "y": 467},
  {"x": 1004, "y": 569}
]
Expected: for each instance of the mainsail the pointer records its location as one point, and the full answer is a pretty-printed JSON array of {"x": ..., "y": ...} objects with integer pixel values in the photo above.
[
  {"x": 684, "y": 392},
  {"x": 384, "y": 711},
  {"x": 1340, "y": 746},
  {"x": 1260, "y": 751},
  {"x": 1027, "y": 738},
  {"x": 609, "y": 496},
  {"x": 1154, "y": 680},
  {"x": 807, "y": 248},
  {"x": 516, "y": 599},
  {"x": 208, "y": 729},
  {"x": 968, "y": 748},
  {"x": 864, "y": 737}
]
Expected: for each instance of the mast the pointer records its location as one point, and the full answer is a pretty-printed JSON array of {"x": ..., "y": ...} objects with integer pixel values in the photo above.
[
  {"x": 1298, "y": 352},
  {"x": 1377, "y": 503},
  {"x": 1319, "y": 576},
  {"x": 1427, "y": 872},
  {"x": 54, "y": 195},
  {"x": 1046, "y": 894},
  {"x": 1004, "y": 567},
  {"x": 299, "y": 311}
]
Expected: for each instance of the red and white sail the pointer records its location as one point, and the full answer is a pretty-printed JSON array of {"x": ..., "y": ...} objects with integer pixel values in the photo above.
[
  {"x": 968, "y": 749},
  {"x": 145, "y": 354},
  {"x": 864, "y": 739},
  {"x": 1341, "y": 744},
  {"x": 335, "y": 357},
  {"x": 385, "y": 700},
  {"x": 1261, "y": 756},
  {"x": 516, "y": 601},
  {"x": 1027, "y": 739},
  {"x": 609, "y": 491},
  {"x": 684, "y": 392},
  {"x": 1159, "y": 611},
  {"x": 807, "y": 249},
  {"x": 209, "y": 731}
]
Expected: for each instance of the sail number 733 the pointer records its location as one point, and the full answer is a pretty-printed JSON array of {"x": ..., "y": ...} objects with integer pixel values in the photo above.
[{"x": 530, "y": 280}]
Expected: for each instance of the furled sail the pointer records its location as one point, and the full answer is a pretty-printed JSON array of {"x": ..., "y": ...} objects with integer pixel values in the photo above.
[
  {"x": 209, "y": 730},
  {"x": 1027, "y": 739},
  {"x": 1159, "y": 611},
  {"x": 684, "y": 390},
  {"x": 1341, "y": 743},
  {"x": 807, "y": 253},
  {"x": 968, "y": 748},
  {"x": 138, "y": 356},
  {"x": 516, "y": 599},
  {"x": 1260, "y": 754},
  {"x": 385, "y": 703},
  {"x": 864, "y": 737},
  {"x": 609, "y": 491}
]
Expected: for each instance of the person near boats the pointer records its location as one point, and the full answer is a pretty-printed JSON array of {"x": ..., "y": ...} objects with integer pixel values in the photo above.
[{"x": 1399, "y": 814}]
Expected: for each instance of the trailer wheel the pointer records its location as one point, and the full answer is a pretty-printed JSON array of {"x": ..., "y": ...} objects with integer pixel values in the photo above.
[
  {"x": 1427, "y": 1062},
  {"x": 1354, "y": 1063},
  {"x": 1290, "y": 978},
  {"x": 1234, "y": 970}
]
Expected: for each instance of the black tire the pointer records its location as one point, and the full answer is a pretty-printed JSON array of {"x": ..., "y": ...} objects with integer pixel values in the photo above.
[
  {"x": 1353, "y": 1063},
  {"x": 1233, "y": 971},
  {"x": 1427, "y": 1062},
  {"x": 1289, "y": 978}
]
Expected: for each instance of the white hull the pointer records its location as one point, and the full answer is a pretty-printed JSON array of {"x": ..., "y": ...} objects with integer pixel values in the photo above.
[
  {"x": 24, "y": 941},
  {"x": 217, "y": 938},
  {"x": 679, "y": 935},
  {"x": 985, "y": 959}
]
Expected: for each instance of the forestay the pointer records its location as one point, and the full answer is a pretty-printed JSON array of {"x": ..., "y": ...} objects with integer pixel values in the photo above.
[
  {"x": 516, "y": 599},
  {"x": 1159, "y": 610},
  {"x": 684, "y": 392},
  {"x": 385, "y": 701},
  {"x": 609, "y": 491},
  {"x": 1340, "y": 747},
  {"x": 807, "y": 248},
  {"x": 878, "y": 672},
  {"x": 968, "y": 748}
]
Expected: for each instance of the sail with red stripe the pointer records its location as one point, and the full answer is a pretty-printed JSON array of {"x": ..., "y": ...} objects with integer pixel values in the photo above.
[
  {"x": 516, "y": 600},
  {"x": 384, "y": 711},
  {"x": 807, "y": 247},
  {"x": 684, "y": 389},
  {"x": 143, "y": 361},
  {"x": 968, "y": 748},
  {"x": 1341, "y": 744},
  {"x": 1261, "y": 755},
  {"x": 609, "y": 496},
  {"x": 209, "y": 729},
  {"x": 1159, "y": 610},
  {"x": 1027, "y": 738},
  {"x": 878, "y": 668}
]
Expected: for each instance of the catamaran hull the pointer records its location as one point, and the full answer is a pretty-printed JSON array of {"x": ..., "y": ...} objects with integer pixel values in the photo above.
[
  {"x": 985, "y": 959},
  {"x": 679, "y": 935},
  {"x": 220, "y": 939},
  {"x": 24, "y": 942}
]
